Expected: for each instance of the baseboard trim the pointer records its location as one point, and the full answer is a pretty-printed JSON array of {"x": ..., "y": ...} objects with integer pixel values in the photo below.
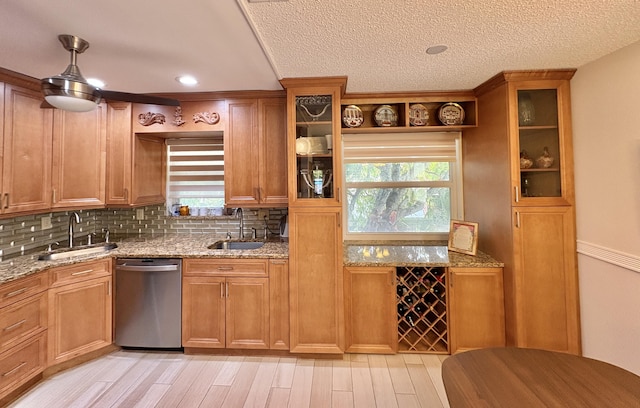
[{"x": 618, "y": 258}]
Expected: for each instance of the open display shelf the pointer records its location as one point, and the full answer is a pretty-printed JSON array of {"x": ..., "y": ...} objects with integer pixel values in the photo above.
[{"x": 422, "y": 309}]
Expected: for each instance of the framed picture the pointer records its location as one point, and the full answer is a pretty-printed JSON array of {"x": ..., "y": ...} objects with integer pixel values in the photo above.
[{"x": 463, "y": 237}]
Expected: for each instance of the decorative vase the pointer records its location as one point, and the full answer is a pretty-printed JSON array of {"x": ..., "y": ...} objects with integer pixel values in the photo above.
[
  {"x": 525, "y": 161},
  {"x": 526, "y": 110},
  {"x": 545, "y": 161}
]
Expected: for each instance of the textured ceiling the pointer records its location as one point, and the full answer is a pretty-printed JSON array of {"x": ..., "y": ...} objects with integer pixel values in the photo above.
[
  {"x": 380, "y": 45},
  {"x": 142, "y": 45}
]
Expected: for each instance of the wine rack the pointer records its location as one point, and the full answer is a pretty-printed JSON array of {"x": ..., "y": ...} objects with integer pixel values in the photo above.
[{"x": 422, "y": 309}]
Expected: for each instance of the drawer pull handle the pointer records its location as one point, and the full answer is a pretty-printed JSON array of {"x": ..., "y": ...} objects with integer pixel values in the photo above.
[
  {"x": 14, "y": 369},
  {"x": 16, "y": 292},
  {"x": 278, "y": 262},
  {"x": 15, "y": 325},
  {"x": 225, "y": 268},
  {"x": 82, "y": 272}
]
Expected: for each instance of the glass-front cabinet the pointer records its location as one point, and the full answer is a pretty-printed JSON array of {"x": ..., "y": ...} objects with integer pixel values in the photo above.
[
  {"x": 313, "y": 140},
  {"x": 542, "y": 128}
]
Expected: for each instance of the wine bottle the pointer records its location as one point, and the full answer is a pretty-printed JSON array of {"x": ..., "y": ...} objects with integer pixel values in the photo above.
[
  {"x": 420, "y": 308},
  {"x": 401, "y": 310},
  {"x": 401, "y": 290},
  {"x": 411, "y": 318}
]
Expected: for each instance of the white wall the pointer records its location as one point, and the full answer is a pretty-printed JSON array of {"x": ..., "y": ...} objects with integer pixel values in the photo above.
[{"x": 606, "y": 129}]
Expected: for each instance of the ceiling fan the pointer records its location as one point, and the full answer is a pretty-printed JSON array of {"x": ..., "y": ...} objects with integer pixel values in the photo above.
[{"x": 71, "y": 91}]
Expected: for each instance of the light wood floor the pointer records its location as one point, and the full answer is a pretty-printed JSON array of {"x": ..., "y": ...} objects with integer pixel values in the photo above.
[{"x": 139, "y": 379}]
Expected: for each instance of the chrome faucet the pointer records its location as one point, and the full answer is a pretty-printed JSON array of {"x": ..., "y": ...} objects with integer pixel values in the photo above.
[
  {"x": 241, "y": 226},
  {"x": 73, "y": 217}
]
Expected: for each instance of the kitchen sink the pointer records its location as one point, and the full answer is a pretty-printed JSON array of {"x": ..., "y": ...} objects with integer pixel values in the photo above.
[
  {"x": 64, "y": 253},
  {"x": 236, "y": 245}
]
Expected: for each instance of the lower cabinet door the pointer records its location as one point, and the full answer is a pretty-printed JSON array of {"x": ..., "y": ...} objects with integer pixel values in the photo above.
[
  {"x": 80, "y": 318},
  {"x": 203, "y": 310},
  {"x": 22, "y": 362},
  {"x": 370, "y": 310},
  {"x": 247, "y": 314},
  {"x": 219, "y": 312},
  {"x": 476, "y": 308}
]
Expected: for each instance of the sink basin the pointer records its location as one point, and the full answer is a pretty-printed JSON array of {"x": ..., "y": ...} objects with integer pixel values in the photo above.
[
  {"x": 64, "y": 253},
  {"x": 237, "y": 245}
]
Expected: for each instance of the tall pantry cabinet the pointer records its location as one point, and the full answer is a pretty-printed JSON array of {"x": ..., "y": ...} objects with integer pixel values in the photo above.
[
  {"x": 315, "y": 214},
  {"x": 518, "y": 185}
]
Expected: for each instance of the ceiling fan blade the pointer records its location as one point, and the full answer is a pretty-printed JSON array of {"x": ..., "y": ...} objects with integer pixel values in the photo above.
[{"x": 138, "y": 98}]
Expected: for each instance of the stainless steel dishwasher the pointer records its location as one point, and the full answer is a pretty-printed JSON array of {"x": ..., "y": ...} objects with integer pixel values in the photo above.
[{"x": 148, "y": 303}]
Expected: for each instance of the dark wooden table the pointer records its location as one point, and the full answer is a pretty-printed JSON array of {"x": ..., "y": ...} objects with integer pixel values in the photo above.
[{"x": 516, "y": 377}]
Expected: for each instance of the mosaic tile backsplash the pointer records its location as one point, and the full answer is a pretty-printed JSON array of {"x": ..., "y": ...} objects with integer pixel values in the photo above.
[{"x": 26, "y": 233}]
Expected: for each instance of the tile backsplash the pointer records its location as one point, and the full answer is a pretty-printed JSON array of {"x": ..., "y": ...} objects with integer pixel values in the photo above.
[{"x": 26, "y": 233}]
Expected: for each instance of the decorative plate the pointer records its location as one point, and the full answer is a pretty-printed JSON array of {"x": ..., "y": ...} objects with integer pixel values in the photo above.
[
  {"x": 418, "y": 115},
  {"x": 386, "y": 115},
  {"x": 451, "y": 114},
  {"x": 352, "y": 116}
]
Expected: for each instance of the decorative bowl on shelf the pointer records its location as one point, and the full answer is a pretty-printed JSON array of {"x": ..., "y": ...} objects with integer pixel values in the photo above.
[
  {"x": 418, "y": 115},
  {"x": 451, "y": 114},
  {"x": 545, "y": 161},
  {"x": 352, "y": 116},
  {"x": 385, "y": 116}
]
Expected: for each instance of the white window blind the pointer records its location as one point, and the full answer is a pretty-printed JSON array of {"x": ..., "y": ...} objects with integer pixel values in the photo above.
[
  {"x": 402, "y": 147},
  {"x": 196, "y": 171}
]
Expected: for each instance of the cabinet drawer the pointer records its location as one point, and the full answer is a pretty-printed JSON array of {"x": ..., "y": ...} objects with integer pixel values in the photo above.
[
  {"x": 21, "y": 363},
  {"x": 22, "y": 288},
  {"x": 22, "y": 319},
  {"x": 64, "y": 275},
  {"x": 225, "y": 267}
]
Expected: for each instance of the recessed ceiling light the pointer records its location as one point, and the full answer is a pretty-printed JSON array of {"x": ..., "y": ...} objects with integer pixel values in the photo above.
[
  {"x": 436, "y": 49},
  {"x": 187, "y": 80},
  {"x": 96, "y": 82}
]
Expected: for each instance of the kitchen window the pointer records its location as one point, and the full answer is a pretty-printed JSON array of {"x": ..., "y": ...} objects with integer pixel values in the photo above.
[
  {"x": 402, "y": 186},
  {"x": 195, "y": 172}
]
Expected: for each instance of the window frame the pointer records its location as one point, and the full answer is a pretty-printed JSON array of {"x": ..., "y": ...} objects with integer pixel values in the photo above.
[{"x": 454, "y": 184}]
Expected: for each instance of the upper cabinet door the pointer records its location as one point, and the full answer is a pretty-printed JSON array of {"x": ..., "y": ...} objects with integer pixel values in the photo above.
[
  {"x": 543, "y": 157},
  {"x": 79, "y": 158},
  {"x": 272, "y": 131},
  {"x": 313, "y": 144},
  {"x": 241, "y": 154},
  {"x": 26, "y": 151}
]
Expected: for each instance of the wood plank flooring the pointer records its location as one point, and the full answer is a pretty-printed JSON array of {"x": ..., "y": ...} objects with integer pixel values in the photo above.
[{"x": 152, "y": 379}]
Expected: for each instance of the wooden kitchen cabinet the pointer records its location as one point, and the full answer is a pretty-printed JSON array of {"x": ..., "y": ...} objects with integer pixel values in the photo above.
[
  {"x": 316, "y": 280},
  {"x": 78, "y": 158},
  {"x": 531, "y": 213},
  {"x": 315, "y": 214},
  {"x": 225, "y": 303},
  {"x": 255, "y": 153},
  {"x": 476, "y": 308},
  {"x": 370, "y": 310},
  {"x": 136, "y": 168},
  {"x": 25, "y": 162},
  {"x": 23, "y": 330},
  {"x": 547, "y": 286},
  {"x": 80, "y": 310}
]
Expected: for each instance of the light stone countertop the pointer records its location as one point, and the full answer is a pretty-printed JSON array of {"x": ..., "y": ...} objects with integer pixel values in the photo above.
[
  {"x": 408, "y": 253},
  {"x": 412, "y": 253},
  {"x": 147, "y": 246}
]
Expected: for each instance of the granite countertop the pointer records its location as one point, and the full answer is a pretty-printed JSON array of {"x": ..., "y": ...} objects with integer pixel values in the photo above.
[
  {"x": 147, "y": 246},
  {"x": 412, "y": 253},
  {"x": 370, "y": 253}
]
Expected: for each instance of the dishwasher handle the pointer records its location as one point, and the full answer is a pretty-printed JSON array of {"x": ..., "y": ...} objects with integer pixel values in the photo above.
[{"x": 147, "y": 268}]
